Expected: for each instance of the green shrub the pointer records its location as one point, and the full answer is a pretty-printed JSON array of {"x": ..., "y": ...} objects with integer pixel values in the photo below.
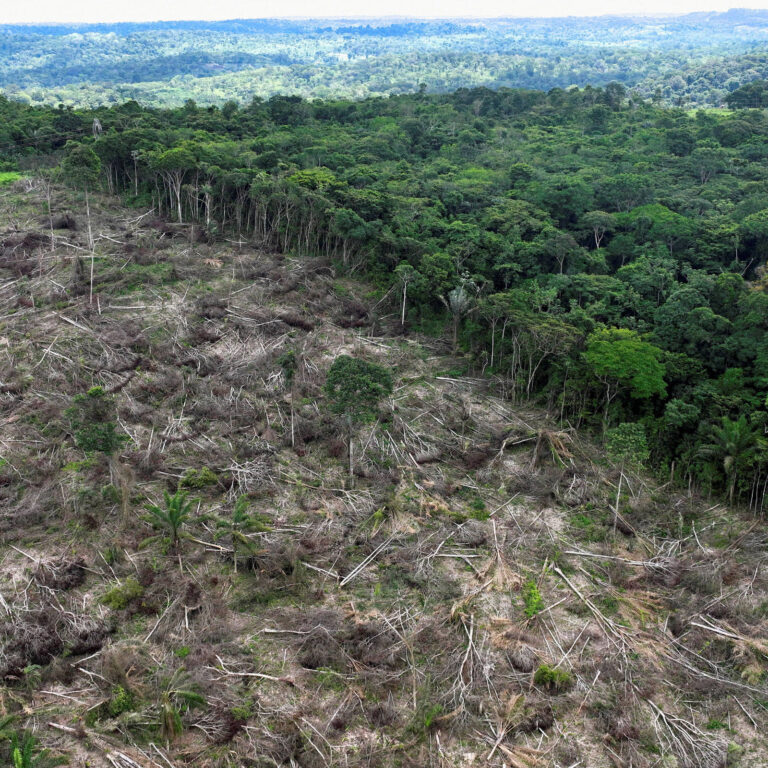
[
  {"x": 242, "y": 711},
  {"x": 552, "y": 679},
  {"x": 424, "y": 718},
  {"x": 478, "y": 510},
  {"x": 8, "y": 177},
  {"x": 120, "y": 701},
  {"x": 532, "y": 599},
  {"x": 199, "y": 478},
  {"x": 121, "y": 596},
  {"x": 25, "y": 753},
  {"x": 110, "y": 494},
  {"x": 91, "y": 418}
]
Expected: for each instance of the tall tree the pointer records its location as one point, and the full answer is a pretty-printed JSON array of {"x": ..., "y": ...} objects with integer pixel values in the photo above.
[
  {"x": 80, "y": 168},
  {"x": 621, "y": 359},
  {"x": 173, "y": 166},
  {"x": 354, "y": 388}
]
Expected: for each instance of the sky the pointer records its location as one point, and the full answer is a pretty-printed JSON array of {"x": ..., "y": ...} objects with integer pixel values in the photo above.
[{"x": 154, "y": 10}]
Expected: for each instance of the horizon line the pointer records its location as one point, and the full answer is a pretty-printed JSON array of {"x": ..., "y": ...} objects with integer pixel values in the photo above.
[{"x": 384, "y": 17}]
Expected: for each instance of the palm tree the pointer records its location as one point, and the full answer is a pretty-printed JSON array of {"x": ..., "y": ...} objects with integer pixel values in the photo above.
[
  {"x": 460, "y": 303},
  {"x": 238, "y": 527},
  {"x": 734, "y": 444},
  {"x": 170, "y": 519}
]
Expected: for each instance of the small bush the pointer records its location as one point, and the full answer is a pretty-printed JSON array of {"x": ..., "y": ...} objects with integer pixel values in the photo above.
[
  {"x": 478, "y": 510},
  {"x": 552, "y": 679},
  {"x": 91, "y": 416},
  {"x": 110, "y": 494},
  {"x": 532, "y": 599},
  {"x": 121, "y": 701},
  {"x": 121, "y": 596},
  {"x": 199, "y": 478},
  {"x": 425, "y": 719},
  {"x": 242, "y": 711},
  {"x": 8, "y": 177}
]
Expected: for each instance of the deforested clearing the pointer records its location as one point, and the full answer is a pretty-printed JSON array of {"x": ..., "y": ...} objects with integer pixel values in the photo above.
[{"x": 191, "y": 576}]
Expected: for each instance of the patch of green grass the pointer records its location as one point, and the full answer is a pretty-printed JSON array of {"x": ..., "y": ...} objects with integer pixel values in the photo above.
[
  {"x": 79, "y": 466},
  {"x": 136, "y": 277},
  {"x": 589, "y": 524},
  {"x": 123, "y": 595},
  {"x": 8, "y": 177},
  {"x": 342, "y": 290},
  {"x": 330, "y": 679},
  {"x": 254, "y": 590},
  {"x": 609, "y": 604},
  {"x": 552, "y": 679},
  {"x": 477, "y": 509},
  {"x": 110, "y": 494},
  {"x": 452, "y": 373}
]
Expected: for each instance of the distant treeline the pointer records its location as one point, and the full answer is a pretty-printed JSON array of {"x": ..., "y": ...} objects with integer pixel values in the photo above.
[{"x": 694, "y": 60}]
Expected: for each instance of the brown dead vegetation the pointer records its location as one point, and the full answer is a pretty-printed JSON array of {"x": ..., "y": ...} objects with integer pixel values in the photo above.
[{"x": 472, "y": 600}]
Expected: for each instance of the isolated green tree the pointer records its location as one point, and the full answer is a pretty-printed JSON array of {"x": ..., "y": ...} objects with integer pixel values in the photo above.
[
  {"x": 170, "y": 519},
  {"x": 620, "y": 359},
  {"x": 81, "y": 168},
  {"x": 354, "y": 388},
  {"x": 406, "y": 275}
]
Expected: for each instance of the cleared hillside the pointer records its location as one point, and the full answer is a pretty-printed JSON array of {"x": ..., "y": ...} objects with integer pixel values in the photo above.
[{"x": 487, "y": 590}]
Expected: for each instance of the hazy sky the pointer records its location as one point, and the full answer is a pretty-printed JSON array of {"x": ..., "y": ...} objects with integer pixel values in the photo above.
[{"x": 12, "y": 11}]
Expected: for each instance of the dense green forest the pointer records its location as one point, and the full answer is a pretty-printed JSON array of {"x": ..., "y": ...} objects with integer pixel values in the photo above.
[
  {"x": 696, "y": 59},
  {"x": 602, "y": 256}
]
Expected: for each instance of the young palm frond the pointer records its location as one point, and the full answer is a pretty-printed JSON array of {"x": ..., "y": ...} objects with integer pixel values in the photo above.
[
  {"x": 178, "y": 696},
  {"x": 6, "y": 734},
  {"x": 24, "y": 753},
  {"x": 238, "y": 526},
  {"x": 170, "y": 520}
]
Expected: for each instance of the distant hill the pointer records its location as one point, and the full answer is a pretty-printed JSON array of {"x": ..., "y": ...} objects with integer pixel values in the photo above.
[{"x": 694, "y": 59}]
